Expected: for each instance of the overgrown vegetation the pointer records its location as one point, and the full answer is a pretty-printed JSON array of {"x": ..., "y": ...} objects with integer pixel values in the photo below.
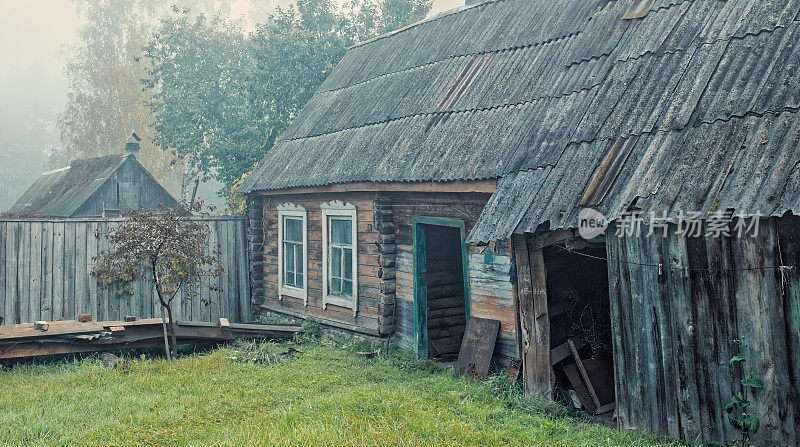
[
  {"x": 737, "y": 407},
  {"x": 295, "y": 393}
]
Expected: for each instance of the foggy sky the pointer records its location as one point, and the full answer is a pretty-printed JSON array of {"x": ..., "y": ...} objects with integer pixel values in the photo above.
[{"x": 34, "y": 36}]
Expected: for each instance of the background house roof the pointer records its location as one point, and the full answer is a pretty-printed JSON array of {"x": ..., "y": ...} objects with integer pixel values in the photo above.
[
  {"x": 60, "y": 193},
  {"x": 537, "y": 92}
]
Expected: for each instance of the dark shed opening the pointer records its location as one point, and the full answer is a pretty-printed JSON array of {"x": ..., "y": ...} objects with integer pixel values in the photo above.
[{"x": 580, "y": 325}]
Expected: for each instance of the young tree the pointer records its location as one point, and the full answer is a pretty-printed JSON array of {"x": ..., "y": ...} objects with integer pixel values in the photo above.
[{"x": 164, "y": 247}]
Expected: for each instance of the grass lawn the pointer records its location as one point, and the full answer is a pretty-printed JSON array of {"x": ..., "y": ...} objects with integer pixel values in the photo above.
[{"x": 253, "y": 395}]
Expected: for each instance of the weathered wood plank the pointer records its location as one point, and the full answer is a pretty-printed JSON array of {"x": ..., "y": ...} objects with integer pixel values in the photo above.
[
  {"x": 70, "y": 304},
  {"x": 45, "y": 266},
  {"x": 535, "y": 343},
  {"x": 58, "y": 271},
  {"x": 46, "y": 298},
  {"x": 3, "y": 270},
  {"x": 24, "y": 273},
  {"x": 81, "y": 274},
  {"x": 242, "y": 264},
  {"x": 35, "y": 272},
  {"x": 674, "y": 321}
]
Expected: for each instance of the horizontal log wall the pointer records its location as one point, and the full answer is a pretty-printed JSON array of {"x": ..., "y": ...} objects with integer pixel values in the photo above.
[
  {"x": 386, "y": 286},
  {"x": 674, "y": 329},
  {"x": 490, "y": 290},
  {"x": 45, "y": 267},
  {"x": 370, "y": 272}
]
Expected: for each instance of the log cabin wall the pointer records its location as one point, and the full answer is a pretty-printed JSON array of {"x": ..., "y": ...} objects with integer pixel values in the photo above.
[
  {"x": 385, "y": 267},
  {"x": 373, "y": 288},
  {"x": 490, "y": 290},
  {"x": 674, "y": 329}
]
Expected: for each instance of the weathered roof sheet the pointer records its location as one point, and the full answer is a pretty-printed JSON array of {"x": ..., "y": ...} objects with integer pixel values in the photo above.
[
  {"x": 746, "y": 164},
  {"x": 536, "y": 91},
  {"x": 60, "y": 193}
]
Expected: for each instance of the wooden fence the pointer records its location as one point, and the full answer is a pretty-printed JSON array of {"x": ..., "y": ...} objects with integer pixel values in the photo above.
[{"x": 45, "y": 267}]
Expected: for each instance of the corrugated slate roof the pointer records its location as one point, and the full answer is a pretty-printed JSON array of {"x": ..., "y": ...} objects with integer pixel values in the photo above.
[
  {"x": 536, "y": 92},
  {"x": 60, "y": 193}
]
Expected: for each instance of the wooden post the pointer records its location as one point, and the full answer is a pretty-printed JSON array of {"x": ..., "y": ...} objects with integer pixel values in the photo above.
[{"x": 534, "y": 319}]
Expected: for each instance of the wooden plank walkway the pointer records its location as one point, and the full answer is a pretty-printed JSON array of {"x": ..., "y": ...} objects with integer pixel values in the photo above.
[{"x": 70, "y": 337}]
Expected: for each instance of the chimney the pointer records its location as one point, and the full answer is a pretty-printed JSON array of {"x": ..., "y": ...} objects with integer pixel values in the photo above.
[{"x": 132, "y": 145}]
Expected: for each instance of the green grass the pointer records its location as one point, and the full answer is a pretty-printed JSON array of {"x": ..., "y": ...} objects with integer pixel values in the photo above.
[{"x": 253, "y": 395}]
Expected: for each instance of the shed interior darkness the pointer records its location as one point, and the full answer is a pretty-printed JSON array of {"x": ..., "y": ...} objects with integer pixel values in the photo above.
[{"x": 580, "y": 310}]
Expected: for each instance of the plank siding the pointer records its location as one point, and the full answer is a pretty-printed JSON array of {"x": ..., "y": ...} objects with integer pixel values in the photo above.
[
  {"x": 45, "y": 267},
  {"x": 492, "y": 296},
  {"x": 673, "y": 331}
]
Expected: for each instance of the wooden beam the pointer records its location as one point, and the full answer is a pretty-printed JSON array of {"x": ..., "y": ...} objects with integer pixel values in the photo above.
[
  {"x": 563, "y": 351},
  {"x": 534, "y": 320},
  {"x": 540, "y": 340},
  {"x": 551, "y": 238},
  {"x": 479, "y": 186},
  {"x": 584, "y": 374},
  {"x": 515, "y": 294}
]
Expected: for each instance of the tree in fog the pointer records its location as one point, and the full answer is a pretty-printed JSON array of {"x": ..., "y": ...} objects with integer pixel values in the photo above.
[{"x": 221, "y": 98}]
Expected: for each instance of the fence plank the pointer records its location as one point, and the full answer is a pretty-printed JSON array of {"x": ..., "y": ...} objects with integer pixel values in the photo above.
[
  {"x": 46, "y": 300},
  {"x": 58, "y": 270},
  {"x": 81, "y": 275},
  {"x": 70, "y": 305},
  {"x": 24, "y": 284},
  {"x": 3, "y": 270},
  {"x": 91, "y": 254},
  {"x": 46, "y": 264}
]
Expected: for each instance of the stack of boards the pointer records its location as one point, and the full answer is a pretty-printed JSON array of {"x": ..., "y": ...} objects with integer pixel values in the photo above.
[{"x": 41, "y": 338}]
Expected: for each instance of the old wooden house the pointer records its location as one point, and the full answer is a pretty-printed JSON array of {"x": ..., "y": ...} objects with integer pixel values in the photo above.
[
  {"x": 436, "y": 159},
  {"x": 104, "y": 186}
]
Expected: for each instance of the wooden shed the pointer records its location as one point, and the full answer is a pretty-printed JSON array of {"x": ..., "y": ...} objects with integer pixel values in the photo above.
[
  {"x": 104, "y": 186},
  {"x": 506, "y": 121}
]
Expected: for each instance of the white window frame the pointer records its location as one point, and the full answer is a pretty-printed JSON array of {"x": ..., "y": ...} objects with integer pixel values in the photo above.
[
  {"x": 295, "y": 211},
  {"x": 339, "y": 209}
]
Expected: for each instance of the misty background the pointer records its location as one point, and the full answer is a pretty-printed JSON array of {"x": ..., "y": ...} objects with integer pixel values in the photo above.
[{"x": 38, "y": 41}]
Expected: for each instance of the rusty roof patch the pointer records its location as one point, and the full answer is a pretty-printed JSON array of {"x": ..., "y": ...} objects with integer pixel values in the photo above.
[
  {"x": 638, "y": 9},
  {"x": 608, "y": 170}
]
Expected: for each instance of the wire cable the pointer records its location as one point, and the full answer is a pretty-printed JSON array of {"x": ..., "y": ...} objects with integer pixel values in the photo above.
[{"x": 681, "y": 269}]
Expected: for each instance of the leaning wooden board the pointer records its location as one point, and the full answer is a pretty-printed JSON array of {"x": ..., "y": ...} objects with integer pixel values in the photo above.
[{"x": 477, "y": 347}]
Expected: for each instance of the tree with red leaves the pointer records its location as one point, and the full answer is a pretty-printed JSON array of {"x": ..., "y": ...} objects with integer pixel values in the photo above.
[{"x": 164, "y": 247}]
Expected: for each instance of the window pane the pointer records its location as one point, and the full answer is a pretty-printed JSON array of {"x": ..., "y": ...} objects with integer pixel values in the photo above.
[
  {"x": 348, "y": 263},
  {"x": 336, "y": 262},
  {"x": 298, "y": 256},
  {"x": 298, "y": 280},
  {"x": 347, "y": 287},
  {"x": 288, "y": 256},
  {"x": 341, "y": 231},
  {"x": 336, "y": 286},
  {"x": 293, "y": 230}
]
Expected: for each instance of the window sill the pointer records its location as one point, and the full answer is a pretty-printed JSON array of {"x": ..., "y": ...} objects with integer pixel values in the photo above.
[{"x": 294, "y": 293}]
